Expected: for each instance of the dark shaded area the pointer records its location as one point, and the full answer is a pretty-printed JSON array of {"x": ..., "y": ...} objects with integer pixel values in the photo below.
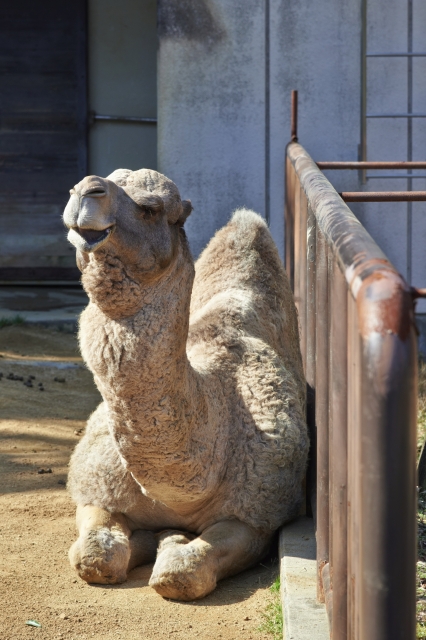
[
  {"x": 311, "y": 473},
  {"x": 24, "y": 274},
  {"x": 20, "y": 464},
  {"x": 189, "y": 20},
  {"x": 43, "y": 118},
  {"x": 41, "y": 298},
  {"x": 228, "y": 591}
]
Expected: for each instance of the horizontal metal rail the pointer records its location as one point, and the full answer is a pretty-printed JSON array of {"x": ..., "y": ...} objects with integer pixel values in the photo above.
[
  {"x": 358, "y": 344},
  {"x": 402, "y": 54},
  {"x": 371, "y": 165},
  {"x": 395, "y": 115},
  {"x": 405, "y": 176},
  {"x": 383, "y": 196},
  {"x": 365, "y": 164},
  {"x": 131, "y": 119}
]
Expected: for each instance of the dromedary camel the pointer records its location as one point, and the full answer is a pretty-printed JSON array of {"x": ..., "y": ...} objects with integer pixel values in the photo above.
[{"x": 196, "y": 454}]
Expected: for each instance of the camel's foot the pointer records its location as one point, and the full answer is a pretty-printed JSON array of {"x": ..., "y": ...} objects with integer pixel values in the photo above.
[
  {"x": 189, "y": 570},
  {"x": 106, "y": 549},
  {"x": 101, "y": 556}
]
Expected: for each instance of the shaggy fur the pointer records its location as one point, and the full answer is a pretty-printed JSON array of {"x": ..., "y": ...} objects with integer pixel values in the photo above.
[{"x": 202, "y": 428}]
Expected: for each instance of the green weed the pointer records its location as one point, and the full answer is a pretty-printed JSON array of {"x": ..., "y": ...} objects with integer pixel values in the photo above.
[
  {"x": 273, "y": 616},
  {"x": 421, "y": 511},
  {"x": 9, "y": 322},
  {"x": 421, "y": 409}
]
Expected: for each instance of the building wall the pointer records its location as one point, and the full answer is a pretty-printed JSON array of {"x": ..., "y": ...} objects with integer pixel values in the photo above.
[
  {"x": 211, "y": 108},
  {"x": 400, "y": 229},
  {"x": 225, "y": 72},
  {"x": 122, "y": 56}
]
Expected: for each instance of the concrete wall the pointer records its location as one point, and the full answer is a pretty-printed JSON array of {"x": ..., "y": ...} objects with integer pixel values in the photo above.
[
  {"x": 225, "y": 72},
  {"x": 211, "y": 97}
]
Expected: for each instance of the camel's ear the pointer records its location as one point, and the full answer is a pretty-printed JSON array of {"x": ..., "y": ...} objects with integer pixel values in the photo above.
[{"x": 186, "y": 210}]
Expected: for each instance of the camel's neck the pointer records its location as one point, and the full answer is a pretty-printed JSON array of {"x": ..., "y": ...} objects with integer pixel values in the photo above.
[{"x": 156, "y": 401}]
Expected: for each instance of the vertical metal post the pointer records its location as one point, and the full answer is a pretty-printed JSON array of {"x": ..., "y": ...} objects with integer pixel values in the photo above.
[
  {"x": 290, "y": 179},
  {"x": 363, "y": 127},
  {"x": 338, "y": 448},
  {"x": 409, "y": 135},
  {"x": 311, "y": 356},
  {"x": 330, "y": 421},
  {"x": 267, "y": 114},
  {"x": 388, "y": 477},
  {"x": 321, "y": 408},
  {"x": 294, "y": 108},
  {"x": 354, "y": 469},
  {"x": 297, "y": 256},
  {"x": 302, "y": 267}
]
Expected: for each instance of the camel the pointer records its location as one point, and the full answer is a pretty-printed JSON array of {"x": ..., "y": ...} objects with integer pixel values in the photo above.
[{"x": 196, "y": 454}]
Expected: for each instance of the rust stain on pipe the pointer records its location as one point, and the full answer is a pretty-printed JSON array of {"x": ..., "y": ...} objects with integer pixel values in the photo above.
[{"x": 385, "y": 305}]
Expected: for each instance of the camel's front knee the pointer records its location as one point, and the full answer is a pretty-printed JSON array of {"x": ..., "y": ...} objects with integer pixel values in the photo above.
[{"x": 101, "y": 556}]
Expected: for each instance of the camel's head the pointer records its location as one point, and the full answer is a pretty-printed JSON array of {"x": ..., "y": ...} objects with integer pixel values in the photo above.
[{"x": 131, "y": 215}]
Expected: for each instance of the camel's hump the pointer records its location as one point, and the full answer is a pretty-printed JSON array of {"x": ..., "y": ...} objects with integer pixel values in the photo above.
[{"x": 242, "y": 255}]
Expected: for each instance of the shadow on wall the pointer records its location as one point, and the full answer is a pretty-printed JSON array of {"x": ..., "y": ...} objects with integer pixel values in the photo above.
[
  {"x": 421, "y": 325},
  {"x": 189, "y": 20}
]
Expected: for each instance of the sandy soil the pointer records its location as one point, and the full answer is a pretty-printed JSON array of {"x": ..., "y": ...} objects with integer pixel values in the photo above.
[{"x": 38, "y": 430}]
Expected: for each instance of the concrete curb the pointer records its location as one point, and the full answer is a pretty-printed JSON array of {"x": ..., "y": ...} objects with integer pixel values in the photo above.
[
  {"x": 304, "y": 617},
  {"x": 50, "y": 306}
]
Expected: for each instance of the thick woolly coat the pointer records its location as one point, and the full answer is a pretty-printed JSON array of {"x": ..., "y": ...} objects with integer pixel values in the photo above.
[{"x": 203, "y": 391}]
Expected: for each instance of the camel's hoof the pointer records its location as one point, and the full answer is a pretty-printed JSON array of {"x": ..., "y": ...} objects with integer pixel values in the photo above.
[
  {"x": 101, "y": 556},
  {"x": 180, "y": 573}
]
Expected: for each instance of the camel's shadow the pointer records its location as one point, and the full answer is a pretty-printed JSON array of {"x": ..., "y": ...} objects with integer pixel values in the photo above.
[{"x": 229, "y": 591}]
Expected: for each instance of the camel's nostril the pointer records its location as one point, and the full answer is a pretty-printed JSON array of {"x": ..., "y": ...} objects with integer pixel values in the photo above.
[{"x": 96, "y": 192}]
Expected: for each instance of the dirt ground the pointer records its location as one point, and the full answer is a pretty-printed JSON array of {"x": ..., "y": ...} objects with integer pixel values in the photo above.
[{"x": 38, "y": 431}]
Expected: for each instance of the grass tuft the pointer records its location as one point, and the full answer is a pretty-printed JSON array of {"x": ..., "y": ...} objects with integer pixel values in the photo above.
[
  {"x": 273, "y": 615},
  {"x": 421, "y": 511},
  {"x": 9, "y": 322},
  {"x": 421, "y": 409}
]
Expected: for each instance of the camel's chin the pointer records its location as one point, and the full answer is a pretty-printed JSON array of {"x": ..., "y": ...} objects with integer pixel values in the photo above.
[{"x": 89, "y": 240}]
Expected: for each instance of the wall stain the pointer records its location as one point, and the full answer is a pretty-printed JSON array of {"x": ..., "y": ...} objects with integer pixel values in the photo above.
[{"x": 189, "y": 20}]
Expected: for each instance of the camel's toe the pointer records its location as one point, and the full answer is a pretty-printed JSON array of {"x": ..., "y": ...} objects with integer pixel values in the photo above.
[
  {"x": 101, "y": 556},
  {"x": 182, "y": 573}
]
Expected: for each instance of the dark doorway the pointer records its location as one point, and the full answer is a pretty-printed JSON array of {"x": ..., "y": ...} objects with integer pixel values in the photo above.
[{"x": 43, "y": 134}]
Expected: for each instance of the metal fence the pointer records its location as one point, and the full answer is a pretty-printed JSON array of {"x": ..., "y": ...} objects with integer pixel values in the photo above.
[{"x": 358, "y": 343}]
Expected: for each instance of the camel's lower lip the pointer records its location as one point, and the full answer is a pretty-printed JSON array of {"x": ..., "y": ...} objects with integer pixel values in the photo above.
[
  {"x": 89, "y": 240},
  {"x": 93, "y": 236}
]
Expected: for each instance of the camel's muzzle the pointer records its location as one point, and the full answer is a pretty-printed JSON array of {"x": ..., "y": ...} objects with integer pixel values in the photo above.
[{"x": 89, "y": 240}]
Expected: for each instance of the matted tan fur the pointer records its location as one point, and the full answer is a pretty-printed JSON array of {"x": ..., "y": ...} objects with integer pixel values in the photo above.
[{"x": 197, "y": 452}]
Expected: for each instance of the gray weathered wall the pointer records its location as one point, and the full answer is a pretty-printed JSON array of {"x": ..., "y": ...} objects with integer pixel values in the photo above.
[{"x": 225, "y": 72}]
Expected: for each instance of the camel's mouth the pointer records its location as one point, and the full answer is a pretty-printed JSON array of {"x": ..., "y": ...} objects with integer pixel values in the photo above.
[{"x": 89, "y": 240}]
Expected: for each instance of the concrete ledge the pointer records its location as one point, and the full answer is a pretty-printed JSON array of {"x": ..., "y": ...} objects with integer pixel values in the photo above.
[
  {"x": 49, "y": 305},
  {"x": 304, "y": 617}
]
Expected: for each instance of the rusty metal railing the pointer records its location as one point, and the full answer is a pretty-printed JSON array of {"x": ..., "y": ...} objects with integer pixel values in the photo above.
[{"x": 358, "y": 344}]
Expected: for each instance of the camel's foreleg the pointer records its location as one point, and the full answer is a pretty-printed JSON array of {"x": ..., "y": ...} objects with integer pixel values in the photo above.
[
  {"x": 107, "y": 549},
  {"x": 188, "y": 570}
]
